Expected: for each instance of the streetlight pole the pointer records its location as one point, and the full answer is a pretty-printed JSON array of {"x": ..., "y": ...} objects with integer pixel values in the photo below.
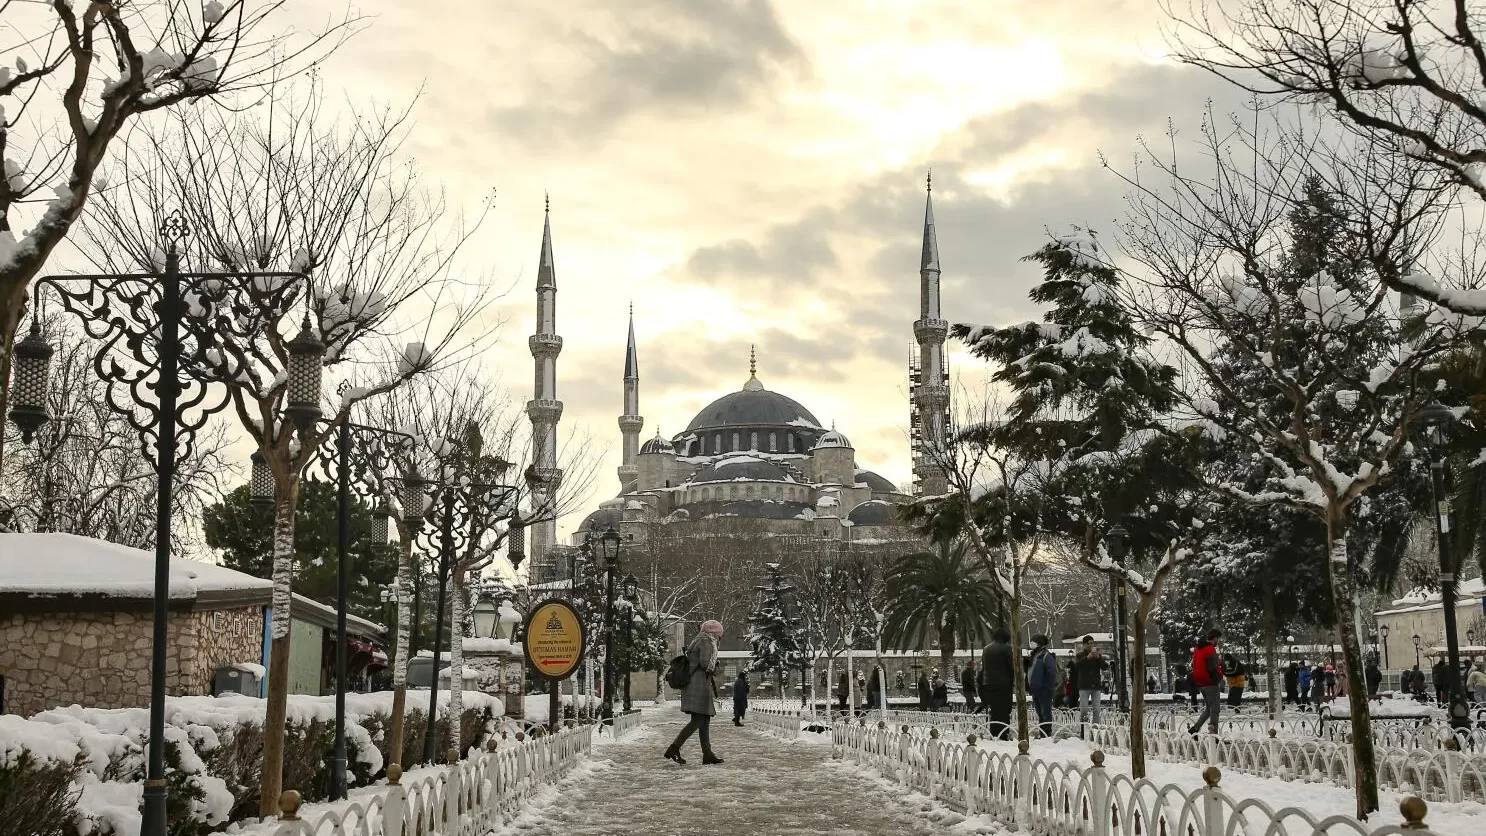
[
  {"x": 1417, "y": 642},
  {"x": 446, "y": 551},
  {"x": 631, "y": 595},
  {"x": 1118, "y": 539},
  {"x": 609, "y": 548},
  {"x": 158, "y": 350},
  {"x": 1434, "y": 419},
  {"x": 1383, "y": 631}
]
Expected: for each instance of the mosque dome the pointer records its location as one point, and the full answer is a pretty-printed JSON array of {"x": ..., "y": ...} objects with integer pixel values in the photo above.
[
  {"x": 872, "y": 512},
  {"x": 877, "y": 483},
  {"x": 753, "y": 407},
  {"x": 657, "y": 445},
  {"x": 607, "y": 516},
  {"x": 833, "y": 439},
  {"x": 731, "y": 468}
]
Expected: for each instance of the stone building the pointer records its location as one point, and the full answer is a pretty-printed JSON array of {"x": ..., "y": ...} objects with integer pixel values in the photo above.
[{"x": 77, "y": 615}]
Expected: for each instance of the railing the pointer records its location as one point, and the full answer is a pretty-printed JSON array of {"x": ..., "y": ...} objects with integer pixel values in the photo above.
[
  {"x": 623, "y": 723},
  {"x": 475, "y": 795},
  {"x": 1069, "y": 800},
  {"x": 780, "y": 723}
]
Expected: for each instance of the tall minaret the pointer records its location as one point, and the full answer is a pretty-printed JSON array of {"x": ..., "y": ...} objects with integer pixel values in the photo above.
[
  {"x": 630, "y": 421},
  {"x": 930, "y": 391},
  {"x": 544, "y": 409}
]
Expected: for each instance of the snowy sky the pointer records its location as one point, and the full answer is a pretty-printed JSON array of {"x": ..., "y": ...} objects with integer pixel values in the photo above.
[{"x": 749, "y": 171}]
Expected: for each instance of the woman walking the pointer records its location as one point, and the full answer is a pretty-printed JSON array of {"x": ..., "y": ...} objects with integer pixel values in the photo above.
[
  {"x": 697, "y": 700},
  {"x": 740, "y": 697}
]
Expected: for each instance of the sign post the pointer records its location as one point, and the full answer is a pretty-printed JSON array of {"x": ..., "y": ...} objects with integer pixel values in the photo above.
[{"x": 554, "y": 647}]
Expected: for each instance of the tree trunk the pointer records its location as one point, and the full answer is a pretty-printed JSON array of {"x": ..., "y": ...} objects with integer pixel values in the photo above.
[
  {"x": 1019, "y": 673},
  {"x": 851, "y": 681},
  {"x": 1271, "y": 636},
  {"x": 946, "y": 653},
  {"x": 1364, "y": 758},
  {"x": 831, "y": 696},
  {"x": 10, "y": 320},
  {"x": 1137, "y": 689},
  {"x": 271, "y": 781},
  {"x": 456, "y": 661},
  {"x": 400, "y": 661}
]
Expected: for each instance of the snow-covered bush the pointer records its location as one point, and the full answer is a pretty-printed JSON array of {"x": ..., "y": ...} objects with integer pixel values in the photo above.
[{"x": 38, "y": 784}]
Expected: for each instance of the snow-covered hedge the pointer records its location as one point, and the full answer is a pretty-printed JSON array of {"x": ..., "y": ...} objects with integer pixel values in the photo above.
[{"x": 81, "y": 769}]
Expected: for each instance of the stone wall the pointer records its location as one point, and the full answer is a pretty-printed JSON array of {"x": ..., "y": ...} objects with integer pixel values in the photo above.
[{"x": 102, "y": 659}]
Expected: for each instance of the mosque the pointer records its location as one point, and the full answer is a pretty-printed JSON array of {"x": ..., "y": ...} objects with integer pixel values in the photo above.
[{"x": 753, "y": 455}]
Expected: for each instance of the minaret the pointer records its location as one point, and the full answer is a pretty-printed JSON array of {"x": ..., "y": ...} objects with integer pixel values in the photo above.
[
  {"x": 630, "y": 421},
  {"x": 930, "y": 391},
  {"x": 544, "y": 409}
]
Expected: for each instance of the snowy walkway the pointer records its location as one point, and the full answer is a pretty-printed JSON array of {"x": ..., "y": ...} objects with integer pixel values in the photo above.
[{"x": 766, "y": 787}]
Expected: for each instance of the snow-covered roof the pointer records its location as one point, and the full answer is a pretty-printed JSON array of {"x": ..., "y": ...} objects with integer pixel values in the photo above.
[
  {"x": 46, "y": 565},
  {"x": 1419, "y": 599}
]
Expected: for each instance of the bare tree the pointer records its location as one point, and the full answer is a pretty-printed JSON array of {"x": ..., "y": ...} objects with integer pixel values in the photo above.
[
  {"x": 83, "y": 72},
  {"x": 1404, "y": 77},
  {"x": 282, "y": 184},
  {"x": 1290, "y": 349},
  {"x": 83, "y": 473}
]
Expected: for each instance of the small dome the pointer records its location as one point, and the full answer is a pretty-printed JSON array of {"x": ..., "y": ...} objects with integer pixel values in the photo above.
[
  {"x": 833, "y": 439},
  {"x": 731, "y": 468},
  {"x": 827, "y": 501},
  {"x": 877, "y": 483},
  {"x": 608, "y": 515},
  {"x": 872, "y": 512},
  {"x": 657, "y": 445}
]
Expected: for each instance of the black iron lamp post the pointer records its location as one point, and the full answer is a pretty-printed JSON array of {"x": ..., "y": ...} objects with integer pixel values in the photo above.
[
  {"x": 632, "y": 597},
  {"x": 1290, "y": 640},
  {"x": 1117, "y": 540},
  {"x": 168, "y": 322},
  {"x": 1434, "y": 421},
  {"x": 1383, "y": 631},
  {"x": 608, "y": 547},
  {"x": 1418, "y": 642}
]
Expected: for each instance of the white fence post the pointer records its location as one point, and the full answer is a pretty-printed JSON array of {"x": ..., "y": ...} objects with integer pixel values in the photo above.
[
  {"x": 1098, "y": 795},
  {"x": 394, "y": 807},
  {"x": 1212, "y": 803},
  {"x": 452, "y": 787},
  {"x": 1454, "y": 771}
]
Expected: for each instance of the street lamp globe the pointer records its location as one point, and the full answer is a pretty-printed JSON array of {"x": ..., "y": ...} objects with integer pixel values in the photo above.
[
  {"x": 631, "y": 587},
  {"x": 1417, "y": 641},
  {"x": 412, "y": 498},
  {"x": 609, "y": 545},
  {"x": 30, "y": 381},
  {"x": 487, "y": 618},
  {"x": 381, "y": 528},
  {"x": 1384, "y": 631},
  {"x": 1433, "y": 420},
  {"x": 261, "y": 483},
  {"x": 306, "y": 365},
  {"x": 1117, "y": 538}
]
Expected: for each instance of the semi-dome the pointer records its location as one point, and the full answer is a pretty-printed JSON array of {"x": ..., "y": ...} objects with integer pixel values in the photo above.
[
  {"x": 731, "y": 468},
  {"x": 657, "y": 445},
  {"x": 609, "y": 515},
  {"x": 754, "y": 406},
  {"x": 833, "y": 439},
  {"x": 872, "y": 512},
  {"x": 877, "y": 483}
]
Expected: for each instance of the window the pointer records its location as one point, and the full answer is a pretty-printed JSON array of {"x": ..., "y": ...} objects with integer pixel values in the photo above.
[
  {"x": 791, "y": 443},
  {"x": 753, "y": 441},
  {"x": 702, "y": 446},
  {"x": 717, "y": 444},
  {"x": 735, "y": 441},
  {"x": 773, "y": 442},
  {"x": 706, "y": 494}
]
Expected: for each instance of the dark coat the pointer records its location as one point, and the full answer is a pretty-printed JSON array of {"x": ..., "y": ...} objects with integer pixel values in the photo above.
[
  {"x": 968, "y": 684},
  {"x": 1090, "y": 670},
  {"x": 740, "y": 694},
  {"x": 1043, "y": 676},
  {"x": 925, "y": 694},
  {"x": 1374, "y": 678},
  {"x": 998, "y": 667},
  {"x": 698, "y": 696}
]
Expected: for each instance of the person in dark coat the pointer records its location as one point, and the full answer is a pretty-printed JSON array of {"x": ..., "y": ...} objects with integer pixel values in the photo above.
[
  {"x": 968, "y": 686},
  {"x": 843, "y": 692},
  {"x": 1292, "y": 683},
  {"x": 1090, "y": 665},
  {"x": 699, "y": 697},
  {"x": 1042, "y": 679},
  {"x": 874, "y": 689},
  {"x": 1374, "y": 677},
  {"x": 997, "y": 664},
  {"x": 925, "y": 693},
  {"x": 941, "y": 694},
  {"x": 740, "y": 697}
]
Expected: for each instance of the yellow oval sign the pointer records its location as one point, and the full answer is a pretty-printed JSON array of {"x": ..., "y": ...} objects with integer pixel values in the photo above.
[{"x": 554, "y": 639}]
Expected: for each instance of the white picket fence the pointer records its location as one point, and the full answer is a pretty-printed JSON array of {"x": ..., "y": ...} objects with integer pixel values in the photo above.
[
  {"x": 778, "y": 722},
  {"x": 470, "y": 796},
  {"x": 1068, "y": 800}
]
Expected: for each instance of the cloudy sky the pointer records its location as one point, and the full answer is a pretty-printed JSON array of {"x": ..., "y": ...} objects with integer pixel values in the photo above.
[{"x": 748, "y": 171}]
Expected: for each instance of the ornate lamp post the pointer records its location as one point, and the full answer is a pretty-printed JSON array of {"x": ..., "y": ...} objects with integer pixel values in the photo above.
[
  {"x": 609, "y": 550},
  {"x": 1434, "y": 421},
  {"x": 1117, "y": 540},
  {"x": 1290, "y": 640},
  {"x": 1383, "y": 631},
  {"x": 632, "y": 597},
  {"x": 165, "y": 394},
  {"x": 1417, "y": 643}
]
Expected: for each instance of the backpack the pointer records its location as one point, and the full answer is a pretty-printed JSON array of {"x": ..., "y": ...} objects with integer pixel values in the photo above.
[{"x": 678, "y": 673}]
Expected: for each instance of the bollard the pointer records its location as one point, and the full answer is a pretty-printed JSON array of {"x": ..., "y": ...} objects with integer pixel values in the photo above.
[
  {"x": 394, "y": 774},
  {"x": 1098, "y": 795},
  {"x": 1413, "y": 809},
  {"x": 289, "y": 804}
]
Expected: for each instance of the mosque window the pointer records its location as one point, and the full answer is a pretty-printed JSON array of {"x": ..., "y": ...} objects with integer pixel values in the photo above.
[
  {"x": 773, "y": 442},
  {"x": 735, "y": 441},
  {"x": 706, "y": 494},
  {"x": 791, "y": 443},
  {"x": 753, "y": 441},
  {"x": 703, "y": 446}
]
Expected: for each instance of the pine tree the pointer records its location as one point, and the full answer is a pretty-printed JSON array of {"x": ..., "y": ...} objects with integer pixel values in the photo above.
[{"x": 774, "y": 626}]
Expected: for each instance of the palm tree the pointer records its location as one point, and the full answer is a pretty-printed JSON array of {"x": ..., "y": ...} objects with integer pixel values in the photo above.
[{"x": 941, "y": 595}]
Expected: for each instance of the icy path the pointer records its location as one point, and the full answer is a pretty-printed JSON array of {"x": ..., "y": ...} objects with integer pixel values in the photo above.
[{"x": 766, "y": 787}]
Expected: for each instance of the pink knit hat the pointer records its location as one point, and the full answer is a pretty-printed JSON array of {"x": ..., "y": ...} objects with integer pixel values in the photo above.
[{"x": 712, "y": 628}]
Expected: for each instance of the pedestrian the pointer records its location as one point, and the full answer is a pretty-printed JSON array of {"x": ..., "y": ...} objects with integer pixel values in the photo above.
[
  {"x": 740, "y": 697},
  {"x": 1406, "y": 681},
  {"x": 1441, "y": 691},
  {"x": 941, "y": 694},
  {"x": 698, "y": 699},
  {"x": 925, "y": 693},
  {"x": 1207, "y": 675},
  {"x": 1041, "y": 680},
  {"x": 997, "y": 667},
  {"x": 1374, "y": 678},
  {"x": 1303, "y": 683},
  {"x": 1330, "y": 674},
  {"x": 1476, "y": 682},
  {"x": 1089, "y": 664},
  {"x": 874, "y": 689},
  {"x": 968, "y": 685},
  {"x": 1417, "y": 683},
  {"x": 1292, "y": 683},
  {"x": 1070, "y": 685},
  {"x": 1318, "y": 686},
  {"x": 843, "y": 692},
  {"x": 1237, "y": 677},
  {"x": 1151, "y": 685}
]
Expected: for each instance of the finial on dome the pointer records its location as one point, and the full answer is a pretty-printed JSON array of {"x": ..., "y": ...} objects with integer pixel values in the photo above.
[
  {"x": 929, "y": 179},
  {"x": 753, "y": 384},
  {"x": 546, "y": 201}
]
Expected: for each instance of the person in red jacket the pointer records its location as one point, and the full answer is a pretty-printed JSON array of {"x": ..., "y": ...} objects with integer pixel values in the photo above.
[{"x": 1207, "y": 675}]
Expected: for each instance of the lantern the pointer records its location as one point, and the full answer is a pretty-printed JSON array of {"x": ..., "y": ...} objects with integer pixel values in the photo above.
[
  {"x": 413, "y": 487},
  {"x": 306, "y": 364},
  {"x": 516, "y": 544},
  {"x": 29, "y": 382},
  {"x": 381, "y": 525},
  {"x": 487, "y": 618},
  {"x": 262, "y": 483}
]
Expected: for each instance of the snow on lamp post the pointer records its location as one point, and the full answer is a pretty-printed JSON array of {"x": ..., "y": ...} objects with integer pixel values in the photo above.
[
  {"x": 1117, "y": 540},
  {"x": 508, "y": 620},
  {"x": 1433, "y": 423},
  {"x": 305, "y": 367}
]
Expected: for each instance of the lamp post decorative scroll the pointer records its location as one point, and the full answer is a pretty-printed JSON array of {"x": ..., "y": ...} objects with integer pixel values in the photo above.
[{"x": 159, "y": 333}]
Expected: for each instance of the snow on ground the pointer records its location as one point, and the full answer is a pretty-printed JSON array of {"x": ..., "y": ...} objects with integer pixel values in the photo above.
[{"x": 1318, "y": 799}]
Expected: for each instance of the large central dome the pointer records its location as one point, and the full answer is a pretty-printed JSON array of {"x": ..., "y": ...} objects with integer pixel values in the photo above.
[{"x": 754, "y": 406}]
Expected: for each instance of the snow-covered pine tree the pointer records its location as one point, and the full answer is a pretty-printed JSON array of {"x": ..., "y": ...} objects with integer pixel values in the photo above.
[{"x": 774, "y": 625}]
